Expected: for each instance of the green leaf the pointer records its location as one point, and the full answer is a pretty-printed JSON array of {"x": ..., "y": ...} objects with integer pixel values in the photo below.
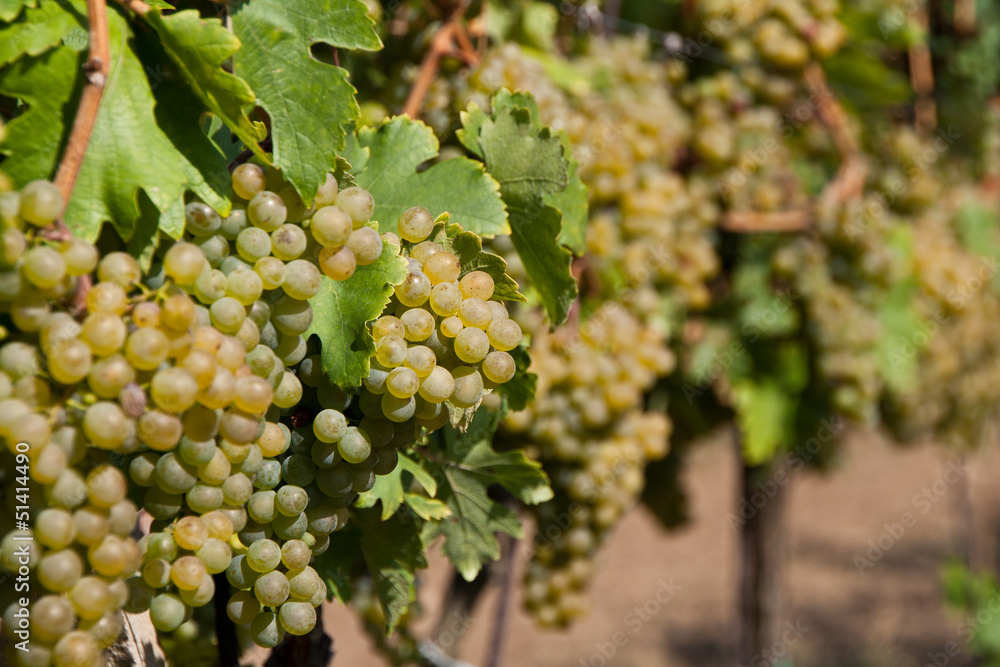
[
  {"x": 520, "y": 389},
  {"x": 128, "y": 152},
  {"x": 428, "y": 509},
  {"x": 572, "y": 203},
  {"x": 977, "y": 228},
  {"x": 467, "y": 469},
  {"x": 9, "y": 9},
  {"x": 342, "y": 309},
  {"x": 393, "y": 552},
  {"x": 902, "y": 331},
  {"x": 388, "y": 489},
  {"x": 385, "y": 160},
  {"x": 338, "y": 562},
  {"x": 310, "y": 103},
  {"x": 864, "y": 81},
  {"x": 39, "y": 29},
  {"x": 468, "y": 247},
  {"x": 765, "y": 414},
  {"x": 199, "y": 47},
  {"x": 530, "y": 164}
]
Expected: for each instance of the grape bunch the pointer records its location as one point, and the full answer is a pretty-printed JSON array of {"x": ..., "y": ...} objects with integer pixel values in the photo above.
[
  {"x": 589, "y": 429},
  {"x": 447, "y": 339}
]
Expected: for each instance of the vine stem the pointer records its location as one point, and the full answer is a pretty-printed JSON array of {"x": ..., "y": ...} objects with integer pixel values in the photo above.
[
  {"x": 97, "y": 68},
  {"x": 442, "y": 44},
  {"x": 507, "y": 581},
  {"x": 137, "y": 6}
]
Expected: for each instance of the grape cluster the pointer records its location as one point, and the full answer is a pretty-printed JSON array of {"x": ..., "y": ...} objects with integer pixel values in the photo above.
[
  {"x": 447, "y": 341},
  {"x": 62, "y": 428},
  {"x": 589, "y": 428}
]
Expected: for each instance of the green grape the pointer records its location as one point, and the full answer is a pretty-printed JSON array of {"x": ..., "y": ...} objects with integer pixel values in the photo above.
[
  {"x": 357, "y": 203},
  {"x": 187, "y": 573},
  {"x": 414, "y": 290},
  {"x": 76, "y": 649},
  {"x": 443, "y": 268},
  {"x": 445, "y": 298},
  {"x": 265, "y": 630},
  {"x": 242, "y": 607},
  {"x": 288, "y": 242},
  {"x": 122, "y": 517},
  {"x": 244, "y": 285},
  {"x": 390, "y": 351},
  {"x": 41, "y": 203},
  {"x": 201, "y": 595},
  {"x": 337, "y": 264},
  {"x": 297, "y": 618},
  {"x": 291, "y": 500},
  {"x": 418, "y": 324},
  {"x": 295, "y": 554},
  {"x": 52, "y": 617},
  {"x": 303, "y": 584},
  {"x": 264, "y": 555},
  {"x": 228, "y": 314},
  {"x": 91, "y": 525},
  {"x": 173, "y": 475},
  {"x": 55, "y": 528},
  {"x": 160, "y": 504},
  {"x": 44, "y": 267},
  {"x": 173, "y": 389},
  {"x": 261, "y": 508},
  {"x": 271, "y": 588},
  {"x": 329, "y": 426},
  {"x": 476, "y": 285},
  {"x": 397, "y": 409},
  {"x": 438, "y": 386},
  {"x": 504, "y": 334},
  {"x": 233, "y": 224},
  {"x": 269, "y": 475},
  {"x": 288, "y": 393},
  {"x": 59, "y": 571},
  {"x": 90, "y": 597},
  {"x": 266, "y": 211},
  {"x": 167, "y": 612},
  {"x": 240, "y": 574},
  {"x": 252, "y": 394},
  {"x": 415, "y": 224},
  {"x": 106, "y": 486},
  {"x": 119, "y": 268},
  {"x": 215, "y": 249},
  {"x": 451, "y": 326},
  {"x": 105, "y": 425},
  {"x": 248, "y": 180},
  {"x": 156, "y": 573},
  {"x": 292, "y": 317},
  {"x": 335, "y": 481},
  {"x": 366, "y": 244},
  {"x": 291, "y": 527},
  {"x": 78, "y": 256},
  {"x": 499, "y": 367},
  {"x": 302, "y": 280},
  {"x": 253, "y": 244},
  {"x": 145, "y": 349},
  {"x": 472, "y": 345},
  {"x": 299, "y": 470},
  {"x": 468, "y": 387},
  {"x": 475, "y": 313},
  {"x": 331, "y": 227},
  {"x": 402, "y": 382},
  {"x": 184, "y": 262},
  {"x": 271, "y": 272},
  {"x": 201, "y": 219}
]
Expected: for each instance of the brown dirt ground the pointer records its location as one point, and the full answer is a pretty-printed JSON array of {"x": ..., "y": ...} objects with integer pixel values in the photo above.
[{"x": 892, "y": 615}]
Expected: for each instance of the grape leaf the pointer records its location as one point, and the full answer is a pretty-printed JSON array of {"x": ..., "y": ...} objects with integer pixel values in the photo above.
[
  {"x": 39, "y": 29},
  {"x": 468, "y": 467},
  {"x": 35, "y": 137},
  {"x": 9, "y": 9},
  {"x": 337, "y": 563},
  {"x": 520, "y": 389},
  {"x": 530, "y": 164},
  {"x": 572, "y": 200},
  {"x": 309, "y": 103},
  {"x": 128, "y": 152},
  {"x": 342, "y": 309},
  {"x": 384, "y": 161},
  {"x": 765, "y": 414},
  {"x": 393, "y": 553},
  {"x": 469, "y": 249},
  {"x": 389, "y": 490},
  {"x": 198, "y": 47}
]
